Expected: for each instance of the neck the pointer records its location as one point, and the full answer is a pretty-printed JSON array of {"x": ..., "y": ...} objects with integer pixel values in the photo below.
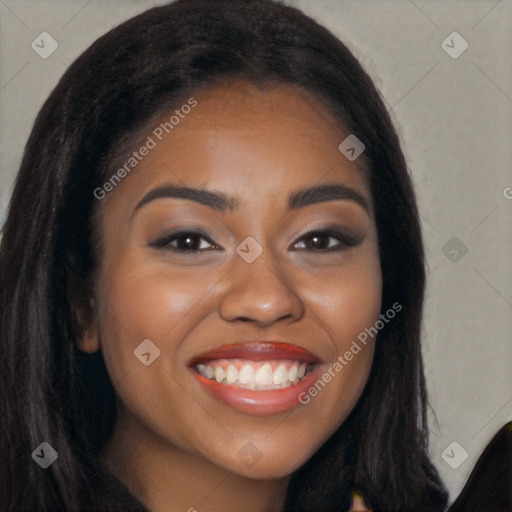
[{"x": 169, "y": 479}]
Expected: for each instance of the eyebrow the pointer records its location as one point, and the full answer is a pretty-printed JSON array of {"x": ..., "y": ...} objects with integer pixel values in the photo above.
[{"x": 224, "y": 203}]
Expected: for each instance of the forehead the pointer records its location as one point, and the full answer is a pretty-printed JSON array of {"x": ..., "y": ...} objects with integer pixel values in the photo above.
[{"x": 254, "y": 142}]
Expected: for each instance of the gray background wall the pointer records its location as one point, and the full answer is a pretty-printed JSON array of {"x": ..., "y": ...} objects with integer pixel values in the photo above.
[{"x": 454, "y": 118}]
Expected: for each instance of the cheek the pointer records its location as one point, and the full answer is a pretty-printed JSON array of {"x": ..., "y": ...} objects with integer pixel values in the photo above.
[
  {"x": 347, "y": 299},
  {"x": 347, "y": 305},
  {"x": 145, "y": 300},
  {"x": 353, "y": 306}
]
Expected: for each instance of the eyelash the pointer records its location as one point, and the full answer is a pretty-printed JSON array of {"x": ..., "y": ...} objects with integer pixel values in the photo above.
[{"x": 346, "y": 240}]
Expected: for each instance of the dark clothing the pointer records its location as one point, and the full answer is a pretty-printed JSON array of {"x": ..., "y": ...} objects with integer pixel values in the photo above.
[{"x": 489, "y": 486}]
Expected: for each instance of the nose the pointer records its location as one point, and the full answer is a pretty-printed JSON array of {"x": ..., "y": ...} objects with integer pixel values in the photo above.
[{"x": 258, "y": 292}]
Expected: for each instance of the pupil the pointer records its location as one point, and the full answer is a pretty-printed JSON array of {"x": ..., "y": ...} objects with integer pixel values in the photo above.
[
  {"x": 188, "y": 241},
  {"x": 317, "y": 241}
]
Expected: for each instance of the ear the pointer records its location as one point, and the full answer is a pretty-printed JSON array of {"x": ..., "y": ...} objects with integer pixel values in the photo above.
[{"x": 89, "y": 340}]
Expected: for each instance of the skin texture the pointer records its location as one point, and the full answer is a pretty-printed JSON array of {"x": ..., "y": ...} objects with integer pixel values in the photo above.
[{"x": 174, "y": 445}]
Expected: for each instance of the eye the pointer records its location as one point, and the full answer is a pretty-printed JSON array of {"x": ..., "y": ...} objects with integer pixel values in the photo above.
[
  {"x": 185, "y": 242},
  {"x": 321, "y": 240}
]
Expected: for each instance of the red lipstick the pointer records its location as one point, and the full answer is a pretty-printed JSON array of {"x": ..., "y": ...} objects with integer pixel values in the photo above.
[{"x": 259, "y": 351}]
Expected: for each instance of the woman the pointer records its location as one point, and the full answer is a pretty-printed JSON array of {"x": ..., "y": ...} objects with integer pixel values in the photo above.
[{"x": 180, "y": 329}]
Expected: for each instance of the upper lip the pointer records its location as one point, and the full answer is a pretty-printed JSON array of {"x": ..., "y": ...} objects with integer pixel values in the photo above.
[{"x": 258, "y": 351}]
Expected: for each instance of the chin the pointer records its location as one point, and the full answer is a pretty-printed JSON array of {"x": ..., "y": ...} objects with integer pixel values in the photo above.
[{"x": 264, "y": 464}]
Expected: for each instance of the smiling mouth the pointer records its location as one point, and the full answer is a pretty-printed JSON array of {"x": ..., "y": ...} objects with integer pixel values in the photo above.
[{"x": 255, "y": 375}]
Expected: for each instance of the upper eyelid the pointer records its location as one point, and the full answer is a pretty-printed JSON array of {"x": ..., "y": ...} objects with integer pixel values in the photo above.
[
  {"x": 172, "y": 235},
  {"x": 331, "y": 231}
]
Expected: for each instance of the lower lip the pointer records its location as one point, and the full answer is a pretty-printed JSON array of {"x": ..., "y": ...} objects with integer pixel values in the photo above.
[{"x": 273, "y": 401}]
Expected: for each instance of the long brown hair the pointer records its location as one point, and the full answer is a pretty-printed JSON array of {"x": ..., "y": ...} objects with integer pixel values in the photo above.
[{"x": 52, "y": 392}]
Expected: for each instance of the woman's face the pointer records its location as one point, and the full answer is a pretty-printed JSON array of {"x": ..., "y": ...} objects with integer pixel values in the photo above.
[{"x": 253, "y": 301}]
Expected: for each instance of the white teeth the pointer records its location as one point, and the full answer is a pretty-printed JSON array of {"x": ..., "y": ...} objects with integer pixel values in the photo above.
[
  {"x": 208, "y": 372},
  {"x": 248, "y": 378},
  {"x": 264, "y": 376},
  {"x": 219, "y": 374},
  {"x": 280, "y": 375},
  {"x": 293, "y": 372},
  {"x": 246, "y": 375},
  {"x": 231, "y": 374}
]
